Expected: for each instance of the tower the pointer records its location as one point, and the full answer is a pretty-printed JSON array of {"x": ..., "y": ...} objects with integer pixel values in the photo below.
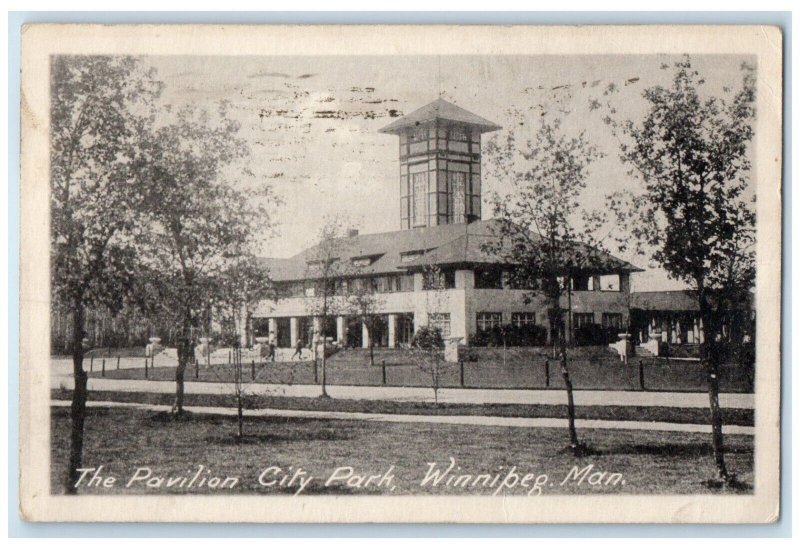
[{"x": 440, "y": 164}]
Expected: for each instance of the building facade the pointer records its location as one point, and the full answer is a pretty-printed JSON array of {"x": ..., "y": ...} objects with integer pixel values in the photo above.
[{"x": 441, "y": 227}]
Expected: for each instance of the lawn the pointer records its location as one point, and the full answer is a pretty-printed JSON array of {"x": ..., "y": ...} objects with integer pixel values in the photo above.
[
  {"x": 122, "y": 440},
  {"x": 254, "y": 402},
  {"x": 591, "y": 368}
]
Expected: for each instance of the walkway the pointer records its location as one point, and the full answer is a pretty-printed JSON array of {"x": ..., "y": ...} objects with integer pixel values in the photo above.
[
  {"x": 425, "y": 394},
  {"x": 486, "y": 421}
]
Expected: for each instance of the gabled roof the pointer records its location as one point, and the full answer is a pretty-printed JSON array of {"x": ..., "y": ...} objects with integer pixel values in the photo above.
[
  {"x": 440, "y": 110},
  {"x": 456, "y": 244}
]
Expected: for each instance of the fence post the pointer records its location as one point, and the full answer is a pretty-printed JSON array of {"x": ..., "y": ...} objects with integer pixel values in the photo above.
[
  {"x": 461, "y": 366},
  {"x": 91, "y": 363},
  {"x": 253, "y": 370},
  {"x": 196, "y": 368},
  {"x": 145, "y": 367},
  {"x": 383, "y": 370},
  {"x": 316, "y": 373},
  {"x": 641, "y": 376},
  {"x": 546, "y": 374},
  {"x": 103, "y": 371},
  {"x": 117, "y": 362}
]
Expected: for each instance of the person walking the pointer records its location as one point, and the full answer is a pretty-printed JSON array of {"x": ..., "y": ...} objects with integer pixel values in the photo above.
[{"x": 298, "y": 349}]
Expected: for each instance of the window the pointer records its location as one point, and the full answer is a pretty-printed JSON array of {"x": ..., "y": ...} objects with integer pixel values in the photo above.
[
  {"x": 458, "y": 133},
  {"x": 609, "y": 283},
  {"x": 419, "y": 183},
  {"x": 456, "y": 194},
  {"x": 362, "y": 261},
  {"x": 523, "y": 319},
  {"x": 440, "y": 321},
  {"x": 408, "y": 257},
  {"x": 439, "y": 280},
  {"x": 580, "y": 283},
  {"x": 612, "y": 320},
  {"x": 487, "y": 321},
  {"x": 582, "y": 319},
  {"x": 489, "y": 279},
  {"x": 406, "y": 283},
  {"x": 419, "y": 133}
]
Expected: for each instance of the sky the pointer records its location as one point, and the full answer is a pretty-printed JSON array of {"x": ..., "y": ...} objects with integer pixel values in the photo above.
[{"x": 312, "y": 123}]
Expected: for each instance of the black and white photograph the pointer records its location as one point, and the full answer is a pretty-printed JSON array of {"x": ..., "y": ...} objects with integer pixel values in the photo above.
[{"x": 367, "y": 280}]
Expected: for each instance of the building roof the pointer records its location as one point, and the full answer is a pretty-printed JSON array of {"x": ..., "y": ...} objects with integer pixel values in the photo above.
[
  {"x": 440, "y": 110},
  {"x": 394, "y": 252},
  {"x": 675, "y": 300}
]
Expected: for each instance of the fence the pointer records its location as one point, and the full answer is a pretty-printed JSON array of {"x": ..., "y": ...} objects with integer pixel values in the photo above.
[{"x": 650, "y": 374}]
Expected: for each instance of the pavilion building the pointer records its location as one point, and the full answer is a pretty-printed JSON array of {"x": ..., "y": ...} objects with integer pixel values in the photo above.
[{"x": 441, "y": 226}]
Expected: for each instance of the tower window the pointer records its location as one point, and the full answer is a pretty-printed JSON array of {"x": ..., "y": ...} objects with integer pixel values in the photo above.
[
  {"x": 419, "y": 182},
  {"x": 458, "y": 133},
  {"x": 457, "y": 190}
]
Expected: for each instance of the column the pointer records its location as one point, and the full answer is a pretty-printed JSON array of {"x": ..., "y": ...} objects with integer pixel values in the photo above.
[
  {"x": 294, "y": 329},
  {"x": 596, "y": 283},
  {"x": 665, "y": 330},
  {"x": 392, "y": 331},
  {"x": 364, "y": 335},
  {"x": 341, "y": 330},
  {"x": 317, "y": 323},
  {"x": 272, "y": 327}
]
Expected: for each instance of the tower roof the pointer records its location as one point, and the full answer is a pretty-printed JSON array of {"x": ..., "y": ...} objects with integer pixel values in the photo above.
[{"x": 441, "y": 110}]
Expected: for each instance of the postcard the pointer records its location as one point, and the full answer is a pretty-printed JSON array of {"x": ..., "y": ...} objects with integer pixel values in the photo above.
[{"x": 465, "y": 274}]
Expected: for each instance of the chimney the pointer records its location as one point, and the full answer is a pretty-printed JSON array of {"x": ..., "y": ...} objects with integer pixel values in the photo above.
[{"x": 352, "y": 232}]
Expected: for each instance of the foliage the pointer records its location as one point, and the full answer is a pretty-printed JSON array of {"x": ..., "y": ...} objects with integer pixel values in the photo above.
[
  {"x": 427, "y": 339},
  {"x": 693, "y": 211},
  {"x": 539, "y": 231},
  {"x": 201, "y": 229},
  {"x": 99, "y": 106},
  {"x": 595, "y": 334}
]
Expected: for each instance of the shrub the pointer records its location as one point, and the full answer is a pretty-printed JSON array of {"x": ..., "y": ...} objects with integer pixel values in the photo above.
[
  {"x": 511, "y": 336},
  {"x": 595, "y": 334},
  {"x": 428, "y": 338}
]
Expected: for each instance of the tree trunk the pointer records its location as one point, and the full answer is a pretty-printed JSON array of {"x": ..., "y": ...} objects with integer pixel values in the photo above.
[
  {"x": 184, "y": 350},
  {"x": 240, "y": 416},
  {"x": 79, "y": 395},
  {"x": 323, "y": 378},
  {"x": 555, "y": 317},
  {"x": 573, "y": 434},
  {"x": 710, "y": 364},
  {"x": 371, "y": 354}
]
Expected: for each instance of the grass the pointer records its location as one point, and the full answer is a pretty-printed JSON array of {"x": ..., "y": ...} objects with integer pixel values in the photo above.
[
  {"x": 621, "y": 413},
  {"x": 122, "y": 440},
  {"x": 523, "y": 369}
]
